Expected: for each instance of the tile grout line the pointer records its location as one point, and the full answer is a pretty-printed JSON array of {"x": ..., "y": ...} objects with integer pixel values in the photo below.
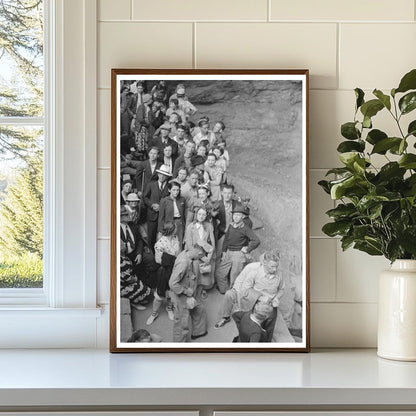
[
  {"x": 194, "y": 63},
  {"x": 307, "y": 22},
  {"x": 336, "y": 272},
  {"x": 269, "y": 11},
  {"x": 131, "y": 9},
  {"x": 338, "y": 66}
]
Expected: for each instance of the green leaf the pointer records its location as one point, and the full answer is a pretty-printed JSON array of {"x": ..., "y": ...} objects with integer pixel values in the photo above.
[
  {"x": 408, "y": 161},
  {"x": 393, "y": 250},
  {"x": 383, "y": 145},
  {"x": 333, "y": 229},
  {"x": 407, "y": 240},
  {"x": 367, "y": 122},
  {"x": 342, "y": 211},
  {"x": 374, "y": 136},
  {"x": 391, "y": 170},
  {"x": 411, "y": 130},
  {"x": 325, "y": 186},
  {"x": 408, "y": 102},
  {"x": 349, "y": 131},
  {"x": 371, "y": 108},
  {"x": 369, "y": 201},
  {"x": 408, "y": 82},
  {"x": 350, "y": 146},
  {"x": 375, "y": 212},
  {"x": 346, "y": 242},
  {"x": 385, "y": 99},
  {"x": 348, "y": 158},
  {"x": 368, "y": 248},
  {"x": 361, "y": 231},
  {"x": 338, "y": 190},
  {"x": 338, "y": 171},
  {"x": 359, "y": 95}
]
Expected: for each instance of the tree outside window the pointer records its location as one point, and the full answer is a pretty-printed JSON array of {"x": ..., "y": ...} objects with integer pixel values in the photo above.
[{"x": 21, "y": 143}]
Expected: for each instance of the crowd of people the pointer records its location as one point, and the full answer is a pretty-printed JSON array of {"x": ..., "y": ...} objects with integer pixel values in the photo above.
[{"x": 184, "y": 231}]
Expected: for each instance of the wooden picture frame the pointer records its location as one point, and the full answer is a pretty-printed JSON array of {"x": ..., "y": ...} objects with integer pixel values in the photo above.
[{"x": 258, "y": 117}]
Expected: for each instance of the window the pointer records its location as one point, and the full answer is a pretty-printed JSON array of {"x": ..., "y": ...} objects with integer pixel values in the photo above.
[
  {"x": 64, "y": 312},
  {"x": 22, "y": 127}
]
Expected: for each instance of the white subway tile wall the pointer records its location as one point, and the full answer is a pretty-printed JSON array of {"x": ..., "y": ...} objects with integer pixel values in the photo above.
[{"x": 345, "y": 44}]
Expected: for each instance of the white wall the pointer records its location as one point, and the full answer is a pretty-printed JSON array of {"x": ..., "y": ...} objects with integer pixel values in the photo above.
[{"x": 345, "y": 44}]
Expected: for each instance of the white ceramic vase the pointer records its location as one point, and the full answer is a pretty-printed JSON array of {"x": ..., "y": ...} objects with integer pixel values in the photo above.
[{"x": 397, "y": 312}]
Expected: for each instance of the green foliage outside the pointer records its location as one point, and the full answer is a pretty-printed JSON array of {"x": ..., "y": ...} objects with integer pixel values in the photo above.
[
  {"x": 376, "y": 210},
  {"x": 23, "y": 271},
  {"x": 21, "y": 95}
]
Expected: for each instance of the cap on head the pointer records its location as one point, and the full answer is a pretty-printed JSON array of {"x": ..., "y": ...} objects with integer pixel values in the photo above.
[{"x": 166, "y": 126}]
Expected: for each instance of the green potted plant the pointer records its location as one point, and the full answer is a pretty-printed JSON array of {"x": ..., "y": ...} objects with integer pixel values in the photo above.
[{"x": 376, "y": 206}]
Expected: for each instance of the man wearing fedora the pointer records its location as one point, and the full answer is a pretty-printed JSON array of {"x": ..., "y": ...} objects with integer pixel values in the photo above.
[
  {"x": 155, "y": 191},
  {"x": 239, "y": 241},
  {"x": 162, "y": 139}
]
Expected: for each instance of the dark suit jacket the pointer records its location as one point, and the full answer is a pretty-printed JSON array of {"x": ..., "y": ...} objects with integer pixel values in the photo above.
[
  {"x": 179, "y": 162},
  {"x": 157, "y": 142},
  {"x": 144, "y": 173},
  {"x": 152, "y": 195},
  {"x": 221, "y": 217},
  {"x": 166, "y": 211}
]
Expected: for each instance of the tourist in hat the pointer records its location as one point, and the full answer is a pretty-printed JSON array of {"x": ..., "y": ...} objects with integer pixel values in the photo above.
[
  {"x": 239, "y": 241},
  {"x": 184, "y": 104},
  {"x": 161, "y": 139},
  {"x": 159, "y": 92},
  {"x": 144, "y": 112},
  {"x": 190, "y": 317},
  {"x": 155, "y": 191}
]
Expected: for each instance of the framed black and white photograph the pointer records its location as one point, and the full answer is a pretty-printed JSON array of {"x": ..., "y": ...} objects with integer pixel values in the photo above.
[{"x": 209, "y": 211}]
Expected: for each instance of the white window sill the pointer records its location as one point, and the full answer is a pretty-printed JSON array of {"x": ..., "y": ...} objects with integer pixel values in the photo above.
[{"x": 40, "y": 327}]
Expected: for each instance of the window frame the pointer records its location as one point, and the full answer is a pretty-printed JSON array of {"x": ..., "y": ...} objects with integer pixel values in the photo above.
[{"x": 68, "y": 297}]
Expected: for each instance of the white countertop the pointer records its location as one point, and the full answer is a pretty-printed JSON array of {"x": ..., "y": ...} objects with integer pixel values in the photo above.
[{"x": 96, "y": 377}]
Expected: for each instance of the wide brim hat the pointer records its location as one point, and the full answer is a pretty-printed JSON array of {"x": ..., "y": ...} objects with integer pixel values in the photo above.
[
  {"x": 239, "y": 208},
  {"x": 166, "y": 126},
  {"x": 164, "y": 170},
  {"x": 132, "y": 197}
]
